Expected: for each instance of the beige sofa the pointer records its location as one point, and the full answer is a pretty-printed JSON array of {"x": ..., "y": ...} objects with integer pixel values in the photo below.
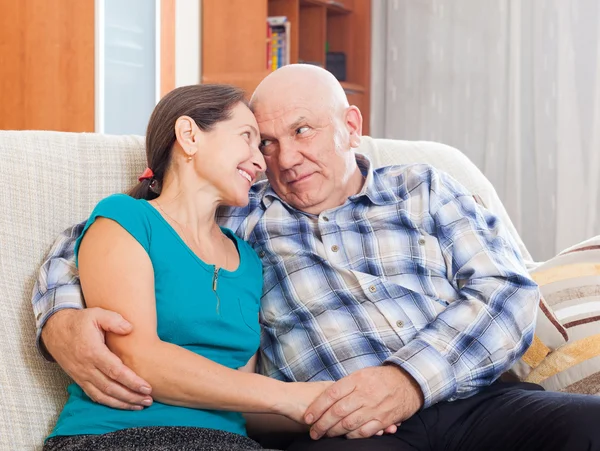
[{"x": 49, "y": 181}]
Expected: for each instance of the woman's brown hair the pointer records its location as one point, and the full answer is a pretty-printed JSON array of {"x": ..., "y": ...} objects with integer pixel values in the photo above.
[{"x": 205, "y": 104}]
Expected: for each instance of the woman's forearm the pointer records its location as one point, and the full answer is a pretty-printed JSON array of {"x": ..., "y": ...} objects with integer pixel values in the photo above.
[{"x": 181, "y": 377}]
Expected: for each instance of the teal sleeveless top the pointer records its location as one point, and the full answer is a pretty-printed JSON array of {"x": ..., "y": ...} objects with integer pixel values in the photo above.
[{"x": 186, "y": 308}]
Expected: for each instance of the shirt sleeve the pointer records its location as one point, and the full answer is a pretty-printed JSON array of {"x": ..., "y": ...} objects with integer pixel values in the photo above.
[
  {"x": 126, "y": 211},
  {"x": 491, "y": 323},
  {"x": 57, "y": 286}
]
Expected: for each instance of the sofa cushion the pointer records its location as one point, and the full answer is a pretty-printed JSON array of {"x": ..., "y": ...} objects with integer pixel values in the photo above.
[{"x": 570, "y": 283}]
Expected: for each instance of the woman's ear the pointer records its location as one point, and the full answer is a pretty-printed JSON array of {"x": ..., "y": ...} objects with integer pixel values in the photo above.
[
  {"x": 187, "y": 134},
  {"x": 353, "y": 122}
]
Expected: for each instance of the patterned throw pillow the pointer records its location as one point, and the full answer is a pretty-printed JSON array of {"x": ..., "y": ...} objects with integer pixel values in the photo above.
[
  {"x": 549, "y": 336},
  {"x": 570, "y": 284}
]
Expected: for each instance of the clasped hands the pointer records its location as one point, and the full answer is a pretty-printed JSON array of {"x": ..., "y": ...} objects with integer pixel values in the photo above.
[{"x": 368, "y": 402}]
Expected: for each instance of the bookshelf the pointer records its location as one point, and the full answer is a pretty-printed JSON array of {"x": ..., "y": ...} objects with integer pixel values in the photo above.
[{"x": 234, "y": 41}]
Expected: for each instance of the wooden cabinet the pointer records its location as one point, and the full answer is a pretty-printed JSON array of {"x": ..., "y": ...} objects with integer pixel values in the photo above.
[
  {"x": 234, "y": 34},
  {"x": 49, "y": 75},
  {"x": 47, "y": 65}
]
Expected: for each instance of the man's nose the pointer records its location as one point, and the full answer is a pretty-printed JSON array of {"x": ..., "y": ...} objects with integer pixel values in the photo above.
[{"x": 289, "y": 154}]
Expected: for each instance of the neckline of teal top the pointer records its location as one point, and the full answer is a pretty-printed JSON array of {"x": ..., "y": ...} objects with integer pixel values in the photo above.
[{"x": 209, "y": 268}]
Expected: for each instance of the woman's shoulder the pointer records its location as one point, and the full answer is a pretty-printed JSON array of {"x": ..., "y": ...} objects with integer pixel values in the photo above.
[
  {"x": 132, "y": 214},
  {"x": 120, "y": 201}
]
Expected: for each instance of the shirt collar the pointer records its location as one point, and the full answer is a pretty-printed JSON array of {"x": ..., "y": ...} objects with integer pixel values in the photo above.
[{"x": 374, "y": 187}]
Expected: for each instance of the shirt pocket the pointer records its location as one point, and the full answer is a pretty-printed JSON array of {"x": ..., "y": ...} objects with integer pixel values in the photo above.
[{"x": 429, "y": 252}]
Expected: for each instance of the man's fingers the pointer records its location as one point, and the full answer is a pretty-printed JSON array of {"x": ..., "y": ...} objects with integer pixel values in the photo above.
[
  {"x": 366, "y": 430},
  {"x": 340, "y": 419},
  {"x": 111, "y": 322},
  {"x": 391, "y": 429},
  {"x": 114, "y": 389},
  {"x": 99, "y": 397},
  {"x": 347, "y": 424},
  {"x": 328, "y": 398},
  {"x": 114, "y": 369}
]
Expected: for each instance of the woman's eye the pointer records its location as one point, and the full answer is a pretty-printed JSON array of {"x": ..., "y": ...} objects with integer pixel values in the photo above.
[
  {"x": 246, "y": 134},
  {"x": 301, "y": 130}
]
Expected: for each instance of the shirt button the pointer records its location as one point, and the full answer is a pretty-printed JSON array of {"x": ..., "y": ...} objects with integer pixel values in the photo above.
[
  {"x": 334, "y": 248},
  {"x": 422, "y": 241},
  {"x": 372, "y": 288},
  {"x": 325, "y": 218},
  {"x": 39, "y": 315},
  {"x": 400, "y": 323},
  {"x": 261, "y": 254}
]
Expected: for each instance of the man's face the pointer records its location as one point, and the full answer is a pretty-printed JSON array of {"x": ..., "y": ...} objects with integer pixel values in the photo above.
[{"x": 302, "y": 145}]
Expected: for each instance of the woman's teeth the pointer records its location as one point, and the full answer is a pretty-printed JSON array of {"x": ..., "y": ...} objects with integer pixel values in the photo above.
[{"x": 245, "y": 175}]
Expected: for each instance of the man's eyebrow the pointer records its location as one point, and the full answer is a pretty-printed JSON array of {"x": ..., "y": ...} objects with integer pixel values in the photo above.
[
  {"x": 294, "y": 125},
  {"x": 298, "y": 122}
]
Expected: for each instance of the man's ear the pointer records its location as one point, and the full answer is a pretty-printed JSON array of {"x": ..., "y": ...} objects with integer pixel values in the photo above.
[
  {"x": 187, "y": 134},
  {"x": 353, "y": 122}
]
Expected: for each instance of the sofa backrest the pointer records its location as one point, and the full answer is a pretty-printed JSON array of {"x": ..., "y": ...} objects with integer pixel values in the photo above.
[{"x": 51, "y": 180}]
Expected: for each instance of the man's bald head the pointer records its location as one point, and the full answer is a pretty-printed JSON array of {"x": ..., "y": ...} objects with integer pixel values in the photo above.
[
  {"x": 308, "y": 131},
  {"x": 302, "y": 83}
]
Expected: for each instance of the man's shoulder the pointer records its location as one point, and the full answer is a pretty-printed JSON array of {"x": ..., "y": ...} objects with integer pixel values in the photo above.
[
  {"x": 407, "y": 175},
  {"x": 418, "y": 175},
  {"x": 397, "y": 170}
]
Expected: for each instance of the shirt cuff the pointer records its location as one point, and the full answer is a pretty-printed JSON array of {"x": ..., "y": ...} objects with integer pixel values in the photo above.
[
  {"x": 429, "y": 368},
  {"x": 63, "y": 297}
]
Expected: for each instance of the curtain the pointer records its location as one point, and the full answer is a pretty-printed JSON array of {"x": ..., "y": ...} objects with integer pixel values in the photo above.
[{"x": 513, "y": 84}]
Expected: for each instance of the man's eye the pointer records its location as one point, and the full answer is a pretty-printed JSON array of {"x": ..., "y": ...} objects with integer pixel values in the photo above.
[
  {"x": 301, "y": 130},
  {"x": 264, "y": 143}
]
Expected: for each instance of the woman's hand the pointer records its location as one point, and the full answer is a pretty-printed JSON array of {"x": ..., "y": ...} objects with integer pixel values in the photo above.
[{"x": 300, "y": 395}]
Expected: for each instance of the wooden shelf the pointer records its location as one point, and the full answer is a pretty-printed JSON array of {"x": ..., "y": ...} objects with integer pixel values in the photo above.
[
  {"x": 248, "y": 81},
  {"x": 234, "y": 41},
  {"x": 353, "y": 87},
  {"x": 332, "y": 6}
]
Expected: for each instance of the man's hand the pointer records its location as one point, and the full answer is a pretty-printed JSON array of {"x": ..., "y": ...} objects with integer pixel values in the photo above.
[
  {"x": 75, "y": 338},
  {"x": 365, "y": 402}
]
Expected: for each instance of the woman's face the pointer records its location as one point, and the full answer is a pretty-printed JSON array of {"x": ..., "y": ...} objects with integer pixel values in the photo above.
[{"x": 230, "y": 159}]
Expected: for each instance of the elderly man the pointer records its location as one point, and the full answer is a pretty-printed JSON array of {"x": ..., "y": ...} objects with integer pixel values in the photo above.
[{"x": 393, "y": 282}]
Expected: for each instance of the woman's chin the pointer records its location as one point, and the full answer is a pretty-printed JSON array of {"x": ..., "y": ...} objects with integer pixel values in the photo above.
[{"x": 237, "y": 200}]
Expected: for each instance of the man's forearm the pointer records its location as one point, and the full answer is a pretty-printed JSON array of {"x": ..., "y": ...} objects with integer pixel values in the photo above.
[
  {"x": 57, "y": 286},
  {"x": 58, "y": 299},
  {"x": 468, "y": 346}
]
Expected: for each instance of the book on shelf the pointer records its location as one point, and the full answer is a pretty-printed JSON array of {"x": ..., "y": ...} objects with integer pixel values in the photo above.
[{"x": 278, "y": 42}]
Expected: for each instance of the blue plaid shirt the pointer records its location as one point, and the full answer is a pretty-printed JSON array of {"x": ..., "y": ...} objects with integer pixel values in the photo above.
[{"x": 411, "y": 271}]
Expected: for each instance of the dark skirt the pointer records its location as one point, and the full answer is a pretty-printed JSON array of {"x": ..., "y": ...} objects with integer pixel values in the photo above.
[{"x": 156, "y": 438}]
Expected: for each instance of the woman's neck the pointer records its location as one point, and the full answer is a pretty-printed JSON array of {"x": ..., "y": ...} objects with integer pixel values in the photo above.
[{"x": 193, "y": 209}]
